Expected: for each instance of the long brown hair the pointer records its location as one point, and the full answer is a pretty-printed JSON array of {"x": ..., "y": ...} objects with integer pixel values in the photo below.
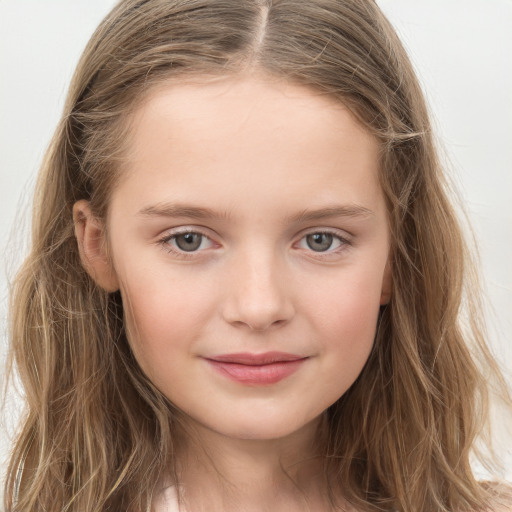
[{"x": 97, "y": 434}]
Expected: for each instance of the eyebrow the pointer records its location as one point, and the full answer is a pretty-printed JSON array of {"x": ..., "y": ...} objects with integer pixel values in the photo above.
[
  {"x": 194, "y": 212},
  {"x": 332, "y": 211},
  {"x": 180, "y": 210}
]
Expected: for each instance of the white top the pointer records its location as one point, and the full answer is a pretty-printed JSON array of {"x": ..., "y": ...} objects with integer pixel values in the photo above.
[{"x": 167, "y": 501}]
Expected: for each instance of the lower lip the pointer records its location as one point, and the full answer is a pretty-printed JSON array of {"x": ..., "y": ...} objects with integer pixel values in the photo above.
[{"x": 257, "y": 375}]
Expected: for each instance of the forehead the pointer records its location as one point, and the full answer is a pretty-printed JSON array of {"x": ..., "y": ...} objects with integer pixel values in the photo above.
[
  {"x": 237, "y": 104},
  {"x": 238, "y": 135}
]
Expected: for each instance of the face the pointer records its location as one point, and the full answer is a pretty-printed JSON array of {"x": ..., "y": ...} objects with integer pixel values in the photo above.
[{"x": 249, "y": 239}]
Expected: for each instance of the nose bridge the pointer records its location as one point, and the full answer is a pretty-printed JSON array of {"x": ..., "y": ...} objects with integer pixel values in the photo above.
[{"x": 258, "y": 293}]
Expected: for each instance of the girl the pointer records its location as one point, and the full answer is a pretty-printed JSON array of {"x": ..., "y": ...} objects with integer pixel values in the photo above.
[{"x": 246, "y": 279}]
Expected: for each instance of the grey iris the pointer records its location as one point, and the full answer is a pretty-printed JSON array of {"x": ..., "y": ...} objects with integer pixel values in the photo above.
[
  {"x": 319, "y": 242},
  {"x": 189, "y": 241}
]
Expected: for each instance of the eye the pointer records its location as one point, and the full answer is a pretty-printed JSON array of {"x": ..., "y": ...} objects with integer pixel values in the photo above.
[
  {"x": 187, "y": 241},
  {"x": 322, "y": 242}
]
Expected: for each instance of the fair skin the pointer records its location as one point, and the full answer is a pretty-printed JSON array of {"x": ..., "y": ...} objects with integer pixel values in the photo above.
[{"x": 248, "y": 223}]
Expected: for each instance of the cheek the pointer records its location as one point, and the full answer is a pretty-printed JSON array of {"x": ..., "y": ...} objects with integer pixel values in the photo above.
[
  {"x": 162, "y": 321},
  {"x": 345, "y": 319},
  {"x": 349, "y": 302}
]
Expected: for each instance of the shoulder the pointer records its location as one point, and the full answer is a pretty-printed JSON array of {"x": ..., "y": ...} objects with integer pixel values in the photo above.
[
  {"x": 501, "y": 506},
  {"x": 501, "y": 497}
]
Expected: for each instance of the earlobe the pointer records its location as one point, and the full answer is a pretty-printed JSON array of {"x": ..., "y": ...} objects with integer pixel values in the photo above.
[
  {"x": 387, "y": 284},
  {"x": 90, "y": 236}
]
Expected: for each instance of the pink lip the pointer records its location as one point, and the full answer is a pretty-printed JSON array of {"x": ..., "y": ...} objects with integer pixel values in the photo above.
[{"x": 257, "y": 369}]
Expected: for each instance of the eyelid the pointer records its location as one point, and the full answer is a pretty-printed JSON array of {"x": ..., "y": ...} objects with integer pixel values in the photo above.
[
  {"x": 340, "y": 233},
  {"x": 344, "y": 237},
  {"x": 165, "y": 239}
]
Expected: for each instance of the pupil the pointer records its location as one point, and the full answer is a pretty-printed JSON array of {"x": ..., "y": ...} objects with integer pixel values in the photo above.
[
  {"x": 319, "y": 242},
  {"x": 189, "y": 241}
]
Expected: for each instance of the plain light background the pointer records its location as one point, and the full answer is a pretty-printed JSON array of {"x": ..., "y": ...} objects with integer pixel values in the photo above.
[{"x": 462, "y": 51}]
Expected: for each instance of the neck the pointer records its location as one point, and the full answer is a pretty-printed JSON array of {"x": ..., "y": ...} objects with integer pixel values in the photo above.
[{"x": 224, "y": 473}]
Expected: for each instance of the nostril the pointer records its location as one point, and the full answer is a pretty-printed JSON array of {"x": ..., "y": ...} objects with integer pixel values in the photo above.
[
  {"x": 258, "y": 316},
  {"x": 258, "y": 326}
]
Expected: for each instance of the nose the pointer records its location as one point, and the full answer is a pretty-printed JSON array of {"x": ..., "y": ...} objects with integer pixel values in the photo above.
[{"x": 258, "y": 294}]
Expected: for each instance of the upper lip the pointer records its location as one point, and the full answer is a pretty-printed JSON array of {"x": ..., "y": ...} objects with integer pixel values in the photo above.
[{"x": 251, "y": 359}]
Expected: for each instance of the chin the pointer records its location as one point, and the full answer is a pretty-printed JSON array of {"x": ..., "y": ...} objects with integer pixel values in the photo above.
[{"x": 264, "y": 428}]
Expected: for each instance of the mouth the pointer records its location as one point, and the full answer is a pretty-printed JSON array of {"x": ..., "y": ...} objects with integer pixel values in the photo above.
[{"x": 257, "y": 369}]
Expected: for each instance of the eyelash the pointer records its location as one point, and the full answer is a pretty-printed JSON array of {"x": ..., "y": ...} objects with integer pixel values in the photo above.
[
  {"x": 165, "y": 243},
  {"x": 166, "y": 240},
  {"x": 344, "y": 243}
]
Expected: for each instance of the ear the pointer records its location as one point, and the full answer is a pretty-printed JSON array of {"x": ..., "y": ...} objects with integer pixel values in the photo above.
[
  {"x": 92, "y": 246},
  {"x": 387, "y": 284}
]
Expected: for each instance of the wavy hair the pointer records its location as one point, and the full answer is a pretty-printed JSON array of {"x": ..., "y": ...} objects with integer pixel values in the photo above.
[{"x": 97, "y": 434}]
